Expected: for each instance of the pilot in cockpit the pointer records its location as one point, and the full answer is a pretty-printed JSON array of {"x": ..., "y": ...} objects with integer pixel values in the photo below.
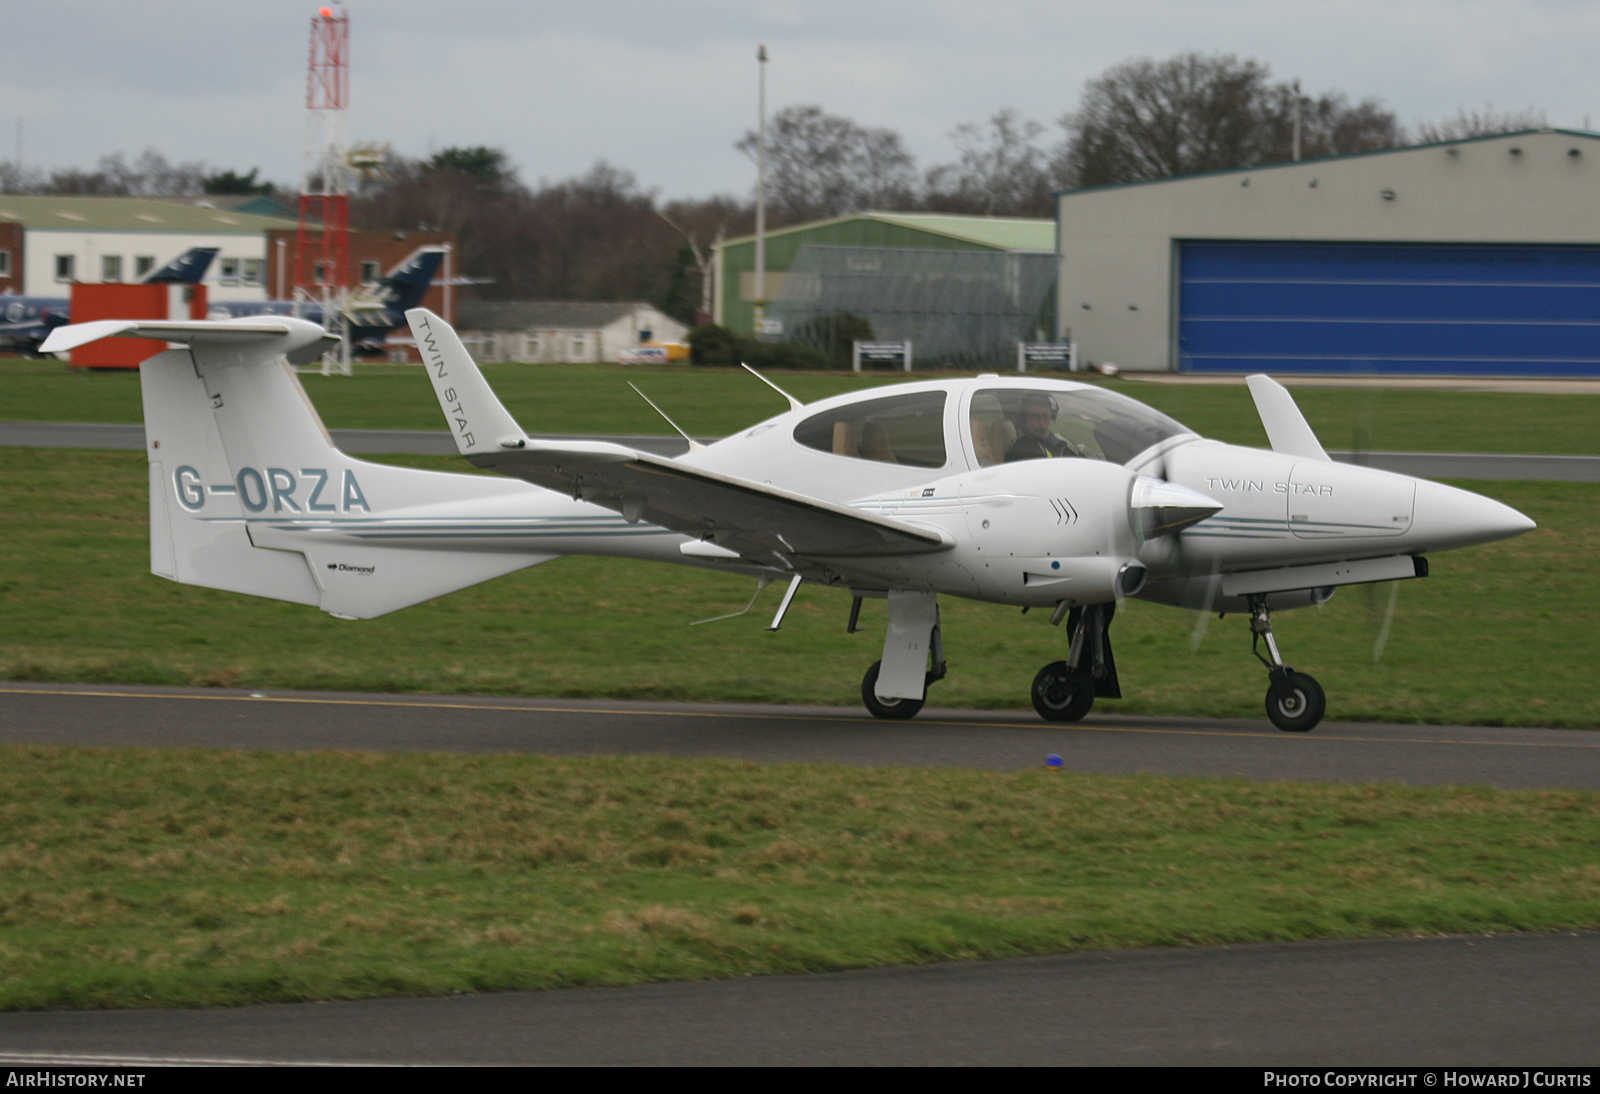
[{"x": 1038, "y": 440}]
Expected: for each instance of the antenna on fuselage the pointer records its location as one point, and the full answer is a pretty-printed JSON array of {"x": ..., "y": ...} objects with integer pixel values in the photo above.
[
  {"x": 693, "y": 444},
  {"x": 794, "y": 404}
]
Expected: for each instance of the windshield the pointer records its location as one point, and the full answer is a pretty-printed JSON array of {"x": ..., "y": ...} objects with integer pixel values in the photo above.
[{"x": 1034, "y": 423}]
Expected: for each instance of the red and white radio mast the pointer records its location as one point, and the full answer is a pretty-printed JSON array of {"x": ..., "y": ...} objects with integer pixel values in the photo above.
[{"x": 322, "y": 248}]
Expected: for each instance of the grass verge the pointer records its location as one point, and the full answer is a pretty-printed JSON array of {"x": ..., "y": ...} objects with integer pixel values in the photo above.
[{"x": 197, "y": 878}]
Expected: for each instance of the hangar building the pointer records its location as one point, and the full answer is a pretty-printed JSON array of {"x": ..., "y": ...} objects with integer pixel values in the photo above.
[
  {"x": 963, "y": 289},
  {"x": 1472, "y": 257}
]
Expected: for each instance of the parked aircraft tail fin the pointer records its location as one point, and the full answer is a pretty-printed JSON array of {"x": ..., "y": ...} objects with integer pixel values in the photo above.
[
  {"x": 403, "y": 287},
  {"x": 189, "y": 268},
  {"x": 248, "y": 492}
]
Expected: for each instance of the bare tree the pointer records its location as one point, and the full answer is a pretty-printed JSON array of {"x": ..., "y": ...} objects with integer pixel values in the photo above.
[
  {"x": 1331, "y": 126},
  {"x": 598, "y": 236},
  {"x": 1147, "y": 119},
  {"x": 694, "y": 221},
  {"x": 1001, "y": 170},
  {"x": 821, "y": 165},
  {"x": 1487, "y": 122},
  {"x": 151, "y": 175}
]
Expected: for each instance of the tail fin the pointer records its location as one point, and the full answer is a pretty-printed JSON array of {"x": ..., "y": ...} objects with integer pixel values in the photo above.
[
  {"x": 249, "y": 494},
  {"x": 403, "y": 287},
  {"x": 189, "y": 268}
]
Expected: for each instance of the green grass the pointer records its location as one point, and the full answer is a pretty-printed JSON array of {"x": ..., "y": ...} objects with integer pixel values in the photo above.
[
  {"x": 716, "y": 402},
  {"x": 1506, "y": 634},
  {"x": 139, "y": 877}
]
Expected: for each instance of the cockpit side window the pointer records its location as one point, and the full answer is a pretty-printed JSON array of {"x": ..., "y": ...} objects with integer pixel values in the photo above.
[
  {"x": 1034, "y": 423},
  {"x": 905, "y": 429}
]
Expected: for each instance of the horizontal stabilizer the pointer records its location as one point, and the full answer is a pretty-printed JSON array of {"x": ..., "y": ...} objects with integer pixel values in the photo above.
[{"x": 297, "y": 339}]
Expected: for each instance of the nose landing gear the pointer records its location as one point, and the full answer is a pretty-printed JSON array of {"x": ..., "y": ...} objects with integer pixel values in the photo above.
[
  {"x": 1295, "y": 701},
  {"x": 1064, "y": 691}
]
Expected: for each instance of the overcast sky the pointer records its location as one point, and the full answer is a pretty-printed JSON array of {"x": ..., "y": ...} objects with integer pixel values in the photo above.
[{"x": 665, "y": 87}]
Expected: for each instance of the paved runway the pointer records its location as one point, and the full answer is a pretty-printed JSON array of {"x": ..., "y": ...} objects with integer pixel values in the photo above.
[
  {"x": 1000, "y": 740},
  {"x": 1428, "y": 465},
  {"x": 1458, "y": 1002}
]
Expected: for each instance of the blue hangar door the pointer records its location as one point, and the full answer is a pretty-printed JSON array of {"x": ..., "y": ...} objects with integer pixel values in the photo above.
[{"x": 1417, "y": 309}]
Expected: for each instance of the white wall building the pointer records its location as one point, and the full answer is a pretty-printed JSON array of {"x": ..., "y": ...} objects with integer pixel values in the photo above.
[
  {"x": 549, "y": 331},
  {"x": 1477, "y": 257},
  {"x": 109, "y": 239}
]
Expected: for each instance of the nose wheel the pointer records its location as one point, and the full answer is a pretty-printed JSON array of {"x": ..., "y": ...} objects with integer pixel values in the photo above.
[
  {"x": 1062, "y": 695},
  {"x": 1295, "y": 701},
  {"x": 1064, "y": 691}
]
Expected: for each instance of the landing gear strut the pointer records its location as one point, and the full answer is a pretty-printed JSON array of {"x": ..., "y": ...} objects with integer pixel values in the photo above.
[
  {"x": 1064, "y": 691},
  {"x": 1295, "y": 701}
]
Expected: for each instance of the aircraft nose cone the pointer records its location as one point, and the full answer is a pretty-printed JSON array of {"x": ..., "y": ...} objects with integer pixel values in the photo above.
[
  {"x": 1447, "y": 517},
  {"x": 1161, "y": 508}
]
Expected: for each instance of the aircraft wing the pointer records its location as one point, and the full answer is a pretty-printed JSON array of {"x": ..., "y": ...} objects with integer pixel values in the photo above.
[
  {"x": 752, "y": 520},
  {"x": 735, "y": 517}
]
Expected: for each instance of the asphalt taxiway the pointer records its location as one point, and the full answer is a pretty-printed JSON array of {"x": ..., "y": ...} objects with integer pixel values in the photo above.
[
  {"x": 1001, "y": 740},
  {"x": 1458, "y": 1002}
]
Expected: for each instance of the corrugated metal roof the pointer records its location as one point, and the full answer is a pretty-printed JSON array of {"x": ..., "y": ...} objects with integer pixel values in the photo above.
[
  {"x": 101, "y": 214},
  {"x": 541, "y": 314},
  {"x": 1000, "y": 233}
]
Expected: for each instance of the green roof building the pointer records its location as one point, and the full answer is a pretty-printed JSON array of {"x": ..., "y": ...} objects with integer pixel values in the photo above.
[{"x": 962, "y": 289}]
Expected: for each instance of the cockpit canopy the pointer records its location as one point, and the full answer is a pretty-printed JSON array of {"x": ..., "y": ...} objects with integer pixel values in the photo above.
[
  {"x": 1066, "y": 421},
  {"x": 1087, "y": 422}
]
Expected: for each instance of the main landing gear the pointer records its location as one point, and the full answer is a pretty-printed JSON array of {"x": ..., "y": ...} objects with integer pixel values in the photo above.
[
  {"x": 900, "y": 709},
  {"x": 1064, "y": 691},
  {"x": 1295, "y": 701},
  {"x": 896, "y": 686}
]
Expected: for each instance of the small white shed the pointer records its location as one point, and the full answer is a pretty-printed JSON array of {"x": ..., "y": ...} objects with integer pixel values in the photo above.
[{"x": 547, "y": 331}]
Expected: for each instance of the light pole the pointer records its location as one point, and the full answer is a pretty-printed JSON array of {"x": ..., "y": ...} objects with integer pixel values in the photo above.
[
  {"x": 761, "y": 193},
  {"x": 1297, "y": 121}
]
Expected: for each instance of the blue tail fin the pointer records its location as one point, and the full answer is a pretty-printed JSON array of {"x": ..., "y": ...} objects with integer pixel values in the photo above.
[
  {"x": 403, "y": 287},
  {"x": 187, "y": 269}
]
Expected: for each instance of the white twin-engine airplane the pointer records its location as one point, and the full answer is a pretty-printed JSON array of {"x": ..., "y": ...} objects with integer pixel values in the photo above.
[{"x": 1038, "y": 493}]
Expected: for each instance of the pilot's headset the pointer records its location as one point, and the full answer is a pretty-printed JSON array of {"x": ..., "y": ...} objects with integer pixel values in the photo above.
[{"x": 1038, "y": 396}]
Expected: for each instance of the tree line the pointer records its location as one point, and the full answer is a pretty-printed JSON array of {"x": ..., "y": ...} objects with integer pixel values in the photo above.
[{"x": 603, "y": 236}]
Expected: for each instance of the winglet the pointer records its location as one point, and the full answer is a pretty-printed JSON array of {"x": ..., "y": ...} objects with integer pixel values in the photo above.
[
  {"x": 1287, "y": 429},
  {"x": 477, "y": 419}
]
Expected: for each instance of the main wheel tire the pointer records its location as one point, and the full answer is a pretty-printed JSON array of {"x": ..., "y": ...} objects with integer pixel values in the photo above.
[
  {"x": 1296, "y": 703},
  {"x": 1061, "y": 695},
  {"x": 893, "y": 709}
]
